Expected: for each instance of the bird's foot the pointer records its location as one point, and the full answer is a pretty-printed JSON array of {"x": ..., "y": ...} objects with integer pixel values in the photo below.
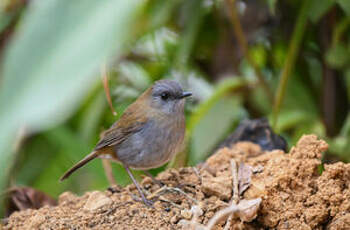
[{"x": 148, "y": 203}]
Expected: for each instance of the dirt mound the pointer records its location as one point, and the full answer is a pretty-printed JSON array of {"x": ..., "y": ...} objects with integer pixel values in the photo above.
[{"x": 294, "y": 195}]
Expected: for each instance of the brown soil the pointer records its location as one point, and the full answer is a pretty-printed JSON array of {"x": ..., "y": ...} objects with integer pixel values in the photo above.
[{"x": 294, "y": 195}]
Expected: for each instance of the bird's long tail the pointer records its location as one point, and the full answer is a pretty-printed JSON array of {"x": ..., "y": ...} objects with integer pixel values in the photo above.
[{"x": 78, "y": 165}]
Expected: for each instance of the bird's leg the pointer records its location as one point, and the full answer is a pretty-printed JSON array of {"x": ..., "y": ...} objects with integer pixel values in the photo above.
[
  {"x": 144, "y": 199},
  {"x": 158, "y": 182}
]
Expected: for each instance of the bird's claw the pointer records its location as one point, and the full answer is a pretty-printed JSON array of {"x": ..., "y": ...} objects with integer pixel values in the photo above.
[{"x": 148, "y": 203}]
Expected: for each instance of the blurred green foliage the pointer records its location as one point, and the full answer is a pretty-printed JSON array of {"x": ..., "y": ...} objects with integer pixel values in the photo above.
[{"x": 53, "y": 105}]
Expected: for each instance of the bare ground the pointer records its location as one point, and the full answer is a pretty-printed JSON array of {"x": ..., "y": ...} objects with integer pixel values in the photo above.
[{"x": 295, "y": 195}]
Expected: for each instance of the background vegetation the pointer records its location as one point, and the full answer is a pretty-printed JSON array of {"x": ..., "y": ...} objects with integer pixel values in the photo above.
[{"x": 285, "y": 60}]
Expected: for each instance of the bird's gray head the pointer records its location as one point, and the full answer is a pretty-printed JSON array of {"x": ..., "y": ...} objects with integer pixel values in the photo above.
[{"x": 167, "y": 96}]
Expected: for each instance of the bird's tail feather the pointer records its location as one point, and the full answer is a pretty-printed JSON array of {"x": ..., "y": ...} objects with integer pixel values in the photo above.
[{"x": 78, "y": 165}]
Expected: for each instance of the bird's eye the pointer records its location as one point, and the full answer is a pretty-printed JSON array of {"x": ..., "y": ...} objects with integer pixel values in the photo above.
[{"x": 164, "y": 96}]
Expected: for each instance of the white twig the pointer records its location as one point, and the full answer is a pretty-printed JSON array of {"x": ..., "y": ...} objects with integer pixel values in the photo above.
[
  {"x": 233, "y": 208},
  {"x": 228, "y": 222},
  {"x": 221, "y": 214},
  {"x": 235, "y": 196},
  {"x": 197, "y": 174}
]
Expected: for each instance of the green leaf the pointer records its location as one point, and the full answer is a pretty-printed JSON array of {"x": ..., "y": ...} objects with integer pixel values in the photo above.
[
  {"x": 53, "y": 60},
  {"x": 190, "y": 33},
  {"x": 259, "y": 54},
  {"x": 219, "y": 119},
  {"x": 290, "y": 118},
  {"x": 91, "y": 117},
  {"x": 272, "y": 5},
  {"x": 318, "y": 8},
  {"x": 226, "y": 86},
  {"x": 338, "y": 56},
  {"x": 160, "y": 11},
  {"x": 345, "y": 5},
  {"x": 214, "y": 115}
]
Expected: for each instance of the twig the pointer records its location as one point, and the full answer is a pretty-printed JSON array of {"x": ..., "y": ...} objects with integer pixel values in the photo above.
[
  {"x": 161, "y": 198},
  {"x": 228, "y": 222},
  {"x": 196, "y": 171},
  {"x": 293, "y": 51},
  {"x": 193, "y": 223},
  {"x": 165, "y": 189},
  {"x": 233, "y": 208},
  {"x": 107, "y": 164},
  {"x": 104, "y": 75},
  {"x": 244, "y": 46},
  {"x": 235, "y": 195},
  {"x": 115, "y": 207},
  {"x": 220, "y": 214}
]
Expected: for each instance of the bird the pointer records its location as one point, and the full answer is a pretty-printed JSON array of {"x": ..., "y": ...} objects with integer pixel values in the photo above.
[{"x": 148, "y": 134}]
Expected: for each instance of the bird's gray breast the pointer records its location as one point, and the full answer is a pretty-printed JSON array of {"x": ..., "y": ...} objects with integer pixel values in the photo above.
[{"x": 153, "y": 145}]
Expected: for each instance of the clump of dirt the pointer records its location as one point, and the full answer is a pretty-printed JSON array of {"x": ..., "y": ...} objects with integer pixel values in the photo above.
[{"x": 293, "y": 191}]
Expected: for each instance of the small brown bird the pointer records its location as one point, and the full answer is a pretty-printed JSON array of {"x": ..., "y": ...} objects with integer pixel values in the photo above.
[{"x": 147, "y": 135}]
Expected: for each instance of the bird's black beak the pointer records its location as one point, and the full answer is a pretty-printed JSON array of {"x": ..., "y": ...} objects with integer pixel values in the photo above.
[{"x": 185, "y": 94}]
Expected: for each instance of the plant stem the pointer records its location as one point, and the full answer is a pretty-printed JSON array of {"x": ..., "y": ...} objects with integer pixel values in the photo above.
[
  {"x": 104, "y": 75},
  {"x": 339, "y": 30},
  {"x": 242, "y": 41},
  {"x": 293, "y": 51}
]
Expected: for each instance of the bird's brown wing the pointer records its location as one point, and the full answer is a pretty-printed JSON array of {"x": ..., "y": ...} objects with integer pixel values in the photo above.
[{"x": 129, "y": 123}]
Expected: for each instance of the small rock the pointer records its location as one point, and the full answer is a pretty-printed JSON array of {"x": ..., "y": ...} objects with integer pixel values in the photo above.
[
  {"x": 36, "y": 221},
  {"x": 187, "y": 214},
  {"x": 174, "y": 219},
  {"x": 66, "y": 197},
  {"x": 197, "y": 210},
  {"x": 341, "y": 222},
  {"x": 218, "y": 186},
  {"x": 97, "y": 200}
]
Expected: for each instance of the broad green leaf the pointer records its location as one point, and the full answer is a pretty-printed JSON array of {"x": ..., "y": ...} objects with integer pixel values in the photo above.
[
  {"x": 345, "y": 5},
  {"x": 299, "y": 97},
  {"x": 338, "y": 56},
  {"x": 340, "y": 145},
  {"x": 319, "y": 8},
  {"x": 53, "y": 59},
  {"x": 213, "y": 127},
  {"x": 216, "y": 114},
  {"x": 161, "y": 11},
  {"x": 226, "y": 86},
  {"x": 190, "y": 33},
  {"x": 290, "y": 118},
  {"x": 91, "y": 117}
]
